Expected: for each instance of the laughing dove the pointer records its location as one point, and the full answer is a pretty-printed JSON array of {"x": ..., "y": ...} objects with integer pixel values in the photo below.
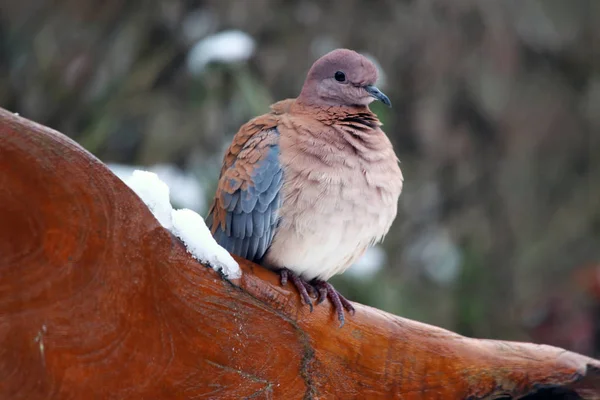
[{"x": 305, "y": 189}]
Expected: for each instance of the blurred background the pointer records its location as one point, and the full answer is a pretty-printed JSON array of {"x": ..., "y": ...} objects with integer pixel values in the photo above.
[{"x": 496, "y": 121}]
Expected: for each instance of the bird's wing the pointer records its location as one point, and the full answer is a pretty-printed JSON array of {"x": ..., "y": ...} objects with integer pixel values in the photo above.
[{"x": 244, "y": 213}]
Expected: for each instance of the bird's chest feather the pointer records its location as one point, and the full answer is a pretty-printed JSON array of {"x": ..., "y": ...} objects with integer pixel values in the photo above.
[
  {"x": 328, "y": 179},
  {"x": 337, "y": 200},
  {"x": 317, "y": 195}
]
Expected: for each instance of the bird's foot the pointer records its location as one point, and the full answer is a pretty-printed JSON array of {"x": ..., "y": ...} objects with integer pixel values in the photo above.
[
  {"x": 338, "y": 301},
  {"x": 320, "y": 290},
  {"x": 304, "y": 288}
]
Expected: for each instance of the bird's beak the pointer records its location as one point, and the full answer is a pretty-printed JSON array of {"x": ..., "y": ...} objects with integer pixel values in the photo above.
[{"x": 378, "y": 94}]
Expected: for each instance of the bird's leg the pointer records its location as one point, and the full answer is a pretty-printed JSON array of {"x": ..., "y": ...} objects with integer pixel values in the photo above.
[
  {"x": 304, "y": 288},
  {"x": 338, "y": 301}
]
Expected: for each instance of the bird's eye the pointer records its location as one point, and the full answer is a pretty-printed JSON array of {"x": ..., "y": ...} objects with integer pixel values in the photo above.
[{"x": 340, "y": 76}]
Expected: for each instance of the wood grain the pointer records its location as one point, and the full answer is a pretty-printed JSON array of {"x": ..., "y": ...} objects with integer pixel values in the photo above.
[{"x": 98, "y": 301}]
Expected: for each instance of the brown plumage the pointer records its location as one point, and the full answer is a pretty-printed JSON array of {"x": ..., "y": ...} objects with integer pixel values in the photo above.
[{"x": 308, "y": 187}]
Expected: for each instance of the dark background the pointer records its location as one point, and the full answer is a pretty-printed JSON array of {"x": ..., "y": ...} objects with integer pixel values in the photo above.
[{"x": 496, "y": 120}]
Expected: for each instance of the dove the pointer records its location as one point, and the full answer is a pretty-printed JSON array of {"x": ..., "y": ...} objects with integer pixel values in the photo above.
[{"x": 305, "y": 189}]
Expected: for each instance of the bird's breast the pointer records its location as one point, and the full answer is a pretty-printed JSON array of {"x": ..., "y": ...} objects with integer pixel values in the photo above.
[{"x": 336, "y": 202}]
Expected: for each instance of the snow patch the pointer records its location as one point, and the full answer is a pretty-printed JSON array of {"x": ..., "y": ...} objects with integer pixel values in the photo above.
[
  {"x": 185, "y": 190},
  {"x": 191, "y": 229},
  {"x": 153, "y": 192},
  {"x": 230, "y": 46},
  {"x": 186, "y": 224}
]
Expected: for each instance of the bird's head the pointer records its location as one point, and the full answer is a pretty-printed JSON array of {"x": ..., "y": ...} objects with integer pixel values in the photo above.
[{"x": 342, "y": 78}]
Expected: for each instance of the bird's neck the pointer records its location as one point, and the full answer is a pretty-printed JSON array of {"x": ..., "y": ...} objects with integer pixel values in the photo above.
[
  {"x": 332, "y": 112},
  {"x": 357, "y": 127}
]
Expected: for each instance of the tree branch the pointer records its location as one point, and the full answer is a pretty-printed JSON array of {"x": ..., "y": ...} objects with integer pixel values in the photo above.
[{"x": 97, "y": 300}]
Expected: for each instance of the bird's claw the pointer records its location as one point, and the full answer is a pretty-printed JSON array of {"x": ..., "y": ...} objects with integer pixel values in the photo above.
[
  {"x": 338, "y": 301},
  {"x": 320, "y": 290},
  {"x": 303, "y": 287}
]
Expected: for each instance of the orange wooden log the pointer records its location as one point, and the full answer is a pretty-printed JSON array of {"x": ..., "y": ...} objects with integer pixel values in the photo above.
[{"x": 97, "y": 300}]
